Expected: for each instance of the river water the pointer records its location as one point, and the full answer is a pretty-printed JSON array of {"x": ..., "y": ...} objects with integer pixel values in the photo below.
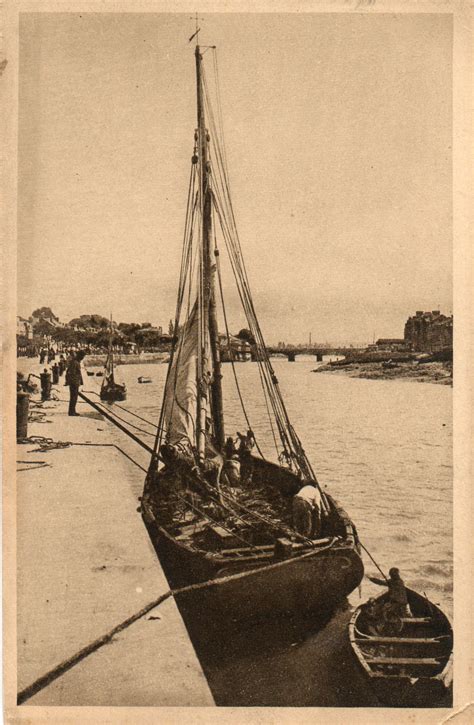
[{"x": 383, "y": 449}]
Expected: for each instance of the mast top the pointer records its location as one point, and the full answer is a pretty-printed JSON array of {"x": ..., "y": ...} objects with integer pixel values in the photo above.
[{"x": 196, "y": 34}]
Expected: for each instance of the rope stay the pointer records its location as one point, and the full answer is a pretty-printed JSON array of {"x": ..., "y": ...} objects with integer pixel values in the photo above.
[
  {"x": 292, "y": 447},
  {"x": 289, "y": 449}
]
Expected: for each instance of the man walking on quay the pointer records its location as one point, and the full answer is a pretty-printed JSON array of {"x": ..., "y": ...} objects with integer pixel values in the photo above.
[{"x": 74, "y": 380}]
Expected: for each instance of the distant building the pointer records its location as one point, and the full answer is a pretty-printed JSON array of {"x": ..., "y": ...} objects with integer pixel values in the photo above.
[
  {"x": 130, "y": 347},
  {"x": 429, "y": 331},
  {"x": 391, "y": 344}
]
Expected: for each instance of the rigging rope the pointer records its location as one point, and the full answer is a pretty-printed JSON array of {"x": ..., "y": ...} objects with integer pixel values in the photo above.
[
  {"x": 290, "y": 440},
  {"x": 224, "y": 312},
  {"x": 240, "y": 274},
  {"x": 193, "y": 256}
]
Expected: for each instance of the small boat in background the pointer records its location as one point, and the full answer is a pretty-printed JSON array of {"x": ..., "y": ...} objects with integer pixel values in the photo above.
[
  {"x": 111, "y": 390},
  {"x": 144, "y": 379},
  {"x": 410, "y": 664}
]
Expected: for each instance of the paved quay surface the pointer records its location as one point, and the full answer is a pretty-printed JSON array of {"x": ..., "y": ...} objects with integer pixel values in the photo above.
[{"x": 85, "y": 564}]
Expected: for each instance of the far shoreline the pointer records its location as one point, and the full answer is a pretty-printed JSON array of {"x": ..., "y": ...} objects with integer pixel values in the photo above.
[
  {"x": 440, "y": 373},
  {"x": 145, "y": 358}
]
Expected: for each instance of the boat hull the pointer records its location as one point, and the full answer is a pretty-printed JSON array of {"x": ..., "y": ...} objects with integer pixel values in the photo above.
[
  {"x": 425, "y": 692},
  {"x": 110, "y": 395},
  {"x": 313, "y": 581}
]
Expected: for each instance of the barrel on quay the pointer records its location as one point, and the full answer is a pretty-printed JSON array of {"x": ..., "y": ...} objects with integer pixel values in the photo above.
[{"x": 85, "y": 566}]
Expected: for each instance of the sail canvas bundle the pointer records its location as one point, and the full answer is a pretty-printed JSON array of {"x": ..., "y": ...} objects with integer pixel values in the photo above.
[
  {"x": 109, "y": 367},
  {"x": 180, "y": 404}
]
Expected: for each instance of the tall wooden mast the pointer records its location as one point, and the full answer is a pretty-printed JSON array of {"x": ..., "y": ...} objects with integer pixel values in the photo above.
[
  {"x": 111, "y": 354},
  {"x": 208, "y": 274}
]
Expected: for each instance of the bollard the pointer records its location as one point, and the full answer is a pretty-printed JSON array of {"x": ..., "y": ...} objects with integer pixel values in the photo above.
[
  {"x": 22, "y": 409},
  {"x": 45, "y": 378}
]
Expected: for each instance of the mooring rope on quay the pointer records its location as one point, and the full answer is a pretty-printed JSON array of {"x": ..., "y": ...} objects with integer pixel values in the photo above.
[
  {"x": 116, "y": 416},
  {"x": 92, "y": 647},
  {"x": 101, "y": 409},
  {"x": 48, "y": 444}
]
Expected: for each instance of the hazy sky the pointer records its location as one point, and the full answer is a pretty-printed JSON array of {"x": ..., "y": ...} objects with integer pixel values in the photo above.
[{"x": 338, "y": 133}]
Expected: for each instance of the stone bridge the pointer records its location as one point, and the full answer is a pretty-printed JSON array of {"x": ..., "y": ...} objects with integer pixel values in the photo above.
[{"x": 319, "y": 352}]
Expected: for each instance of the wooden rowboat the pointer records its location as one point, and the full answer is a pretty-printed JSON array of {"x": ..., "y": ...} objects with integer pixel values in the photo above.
[
  {"x": 112, "y": 391},
  {"x": 411, "y": 667}
]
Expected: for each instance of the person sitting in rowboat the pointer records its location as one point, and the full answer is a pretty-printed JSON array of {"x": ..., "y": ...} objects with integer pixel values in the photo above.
[
  {"x": 397, "y": 606},
  {"x": 307, "y": 511},
  {"x": 372, "y": 617}
]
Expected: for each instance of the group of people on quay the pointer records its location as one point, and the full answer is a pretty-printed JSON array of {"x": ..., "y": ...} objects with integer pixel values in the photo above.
[
  {"x": 48, "y": 355},
  {"x": 68, "y": 363}
]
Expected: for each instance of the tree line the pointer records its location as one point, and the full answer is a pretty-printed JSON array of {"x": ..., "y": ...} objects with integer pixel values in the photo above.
[{"x": 94, "y": 330}]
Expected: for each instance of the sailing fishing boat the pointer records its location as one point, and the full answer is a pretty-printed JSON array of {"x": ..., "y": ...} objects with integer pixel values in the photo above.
[
  {"x": 220, "y": 517},
  {"x": 110, "y": 390}
]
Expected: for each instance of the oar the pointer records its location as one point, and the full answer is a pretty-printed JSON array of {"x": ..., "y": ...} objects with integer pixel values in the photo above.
[{"x": 372, "y": 558}]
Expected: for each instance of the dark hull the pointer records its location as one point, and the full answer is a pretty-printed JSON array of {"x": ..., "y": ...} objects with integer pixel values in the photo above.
[
  {"x": 426, "y": 692},
  {"x": 111, "y": 395},
  {"x": 314, "y": 580},
  {"x": 412, "y": 687}
]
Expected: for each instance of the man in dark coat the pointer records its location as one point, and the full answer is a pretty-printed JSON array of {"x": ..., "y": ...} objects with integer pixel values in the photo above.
[
  {"x": 55, "y": 372},
  {"x": 74, "y": 380},
  {"x": 61, "y": 365},
  {"x": 397, "y": 593}
]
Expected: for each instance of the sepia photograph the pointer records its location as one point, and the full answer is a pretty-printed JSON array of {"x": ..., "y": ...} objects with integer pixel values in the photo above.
[{"x": 235, "y": 266}]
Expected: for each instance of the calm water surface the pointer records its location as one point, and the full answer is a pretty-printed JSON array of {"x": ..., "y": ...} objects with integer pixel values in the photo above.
[{"x": 382, "y": 448}]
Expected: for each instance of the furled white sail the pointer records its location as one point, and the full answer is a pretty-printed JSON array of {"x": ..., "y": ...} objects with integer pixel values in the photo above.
[
  {"x": 180, "y": 399},
  {"x": 109, "y": 367}
]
